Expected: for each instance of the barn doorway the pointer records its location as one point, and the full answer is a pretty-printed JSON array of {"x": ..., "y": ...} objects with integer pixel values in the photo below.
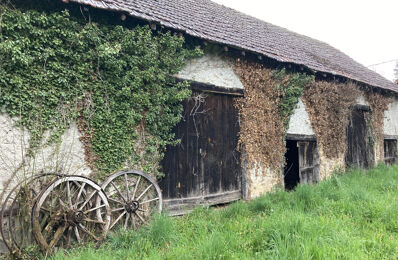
[
  {"x": 291, "y": 170},
  {"x": 359, "y": 147},
  {"x": 301, "y": 162},
  {"x": 204, "y": 169}
]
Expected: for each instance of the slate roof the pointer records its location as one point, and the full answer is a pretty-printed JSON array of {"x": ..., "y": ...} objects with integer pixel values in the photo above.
[{"x": 213, "y": 22}]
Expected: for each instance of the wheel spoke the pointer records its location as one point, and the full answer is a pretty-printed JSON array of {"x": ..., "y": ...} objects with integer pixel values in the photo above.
[
  {"x": 127, "y": 186},
  {"x": 117, "y": 201},
  {"x": 62, "y": 203},
  {"x": 133, "y": 221},
  {"x": 88, "y": 232},
  {"x": 57, "y": 236},
  {"x": 68, "y": 193},
  {"x": 89, "y": 210},
  {"x": 68, "y": 241},
  {"x": 94, "y": 221},
  {"x": 119, "y": 209},
  {"x": 126, "y": 221},
  {"x": 142, "y": 194},
  {"x": 118, "y": 191},
  {"x": 136, "y": 186},
  {"x": 118, "y": 218},
  {"x": 79, "y": 194},
  {"x": 77, "y": 234},
  {"x": 88, "y": 199},
  {"x": 143, "y": 221},
  {"x": 147, "y": 201}
]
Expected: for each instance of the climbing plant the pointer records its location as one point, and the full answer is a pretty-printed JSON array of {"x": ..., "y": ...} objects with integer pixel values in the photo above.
[
  {"x": 329, "y": 105},
  {"x": 378, "y": 105},
  {"x": 270, "y": 99},
  {"x": 56, "y": 68}
]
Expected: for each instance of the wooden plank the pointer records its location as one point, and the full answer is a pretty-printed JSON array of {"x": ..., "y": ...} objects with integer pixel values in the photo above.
[
  {"x": 206, "y": 162},
  {"x": 210, "y": 88},
  {"x": 364, "y": 108},
  {"x": 391, "y": 137},
  {"x": 359, "y": 149},
  {"x": 298, "y": 137},
  {"x": 181, "y": 206}
]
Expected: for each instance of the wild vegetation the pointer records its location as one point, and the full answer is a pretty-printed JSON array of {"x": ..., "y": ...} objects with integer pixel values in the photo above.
[
  {"x": 329, "y": 105},
  {"x": 350, "y": 216},
  {"x": 270, "y": 96},
  {"x": 59, "y": 66}
]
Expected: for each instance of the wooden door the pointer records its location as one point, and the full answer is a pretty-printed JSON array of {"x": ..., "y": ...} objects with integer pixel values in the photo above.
[
  {"x": 390, "y": 151},
  {"x": 205, "y": 167},
  {"x": 359, "y": 146},
  {"x": 308, "y": 162}
]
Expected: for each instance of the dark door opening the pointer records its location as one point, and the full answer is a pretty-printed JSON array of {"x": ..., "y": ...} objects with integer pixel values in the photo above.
[
  {"x": 291, "y": 170},
  {"x": 359, "y": 149}
]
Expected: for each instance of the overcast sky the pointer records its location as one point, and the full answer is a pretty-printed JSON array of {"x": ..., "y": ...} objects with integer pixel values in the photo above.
[{"x": 366, "y": 30}]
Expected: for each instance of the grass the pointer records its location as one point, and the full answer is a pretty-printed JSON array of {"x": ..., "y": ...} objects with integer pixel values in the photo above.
[{"x": 350, "y": 216}]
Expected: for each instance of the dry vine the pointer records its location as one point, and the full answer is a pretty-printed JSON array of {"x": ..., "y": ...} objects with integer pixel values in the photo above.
[
  {"x": 328, "y": 105},
  {"x": 378, "y": 105},
  {"x": 262, "y": 126}
]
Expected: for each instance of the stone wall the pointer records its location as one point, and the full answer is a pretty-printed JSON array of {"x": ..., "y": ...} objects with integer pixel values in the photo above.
[
  {"x": 391, "y": 118},
  {"x": 213, "y": 68},
  {"x": 300, "y": 123},
  {"x": 66, "y": 157}
]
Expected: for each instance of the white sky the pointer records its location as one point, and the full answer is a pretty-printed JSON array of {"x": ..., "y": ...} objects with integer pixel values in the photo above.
[{"x": 366, "y": 30}]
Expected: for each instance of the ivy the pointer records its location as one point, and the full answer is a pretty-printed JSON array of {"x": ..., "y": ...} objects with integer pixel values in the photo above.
[
  {"x": 56, "y": 69},
  {"x": 291, "y": 87}
]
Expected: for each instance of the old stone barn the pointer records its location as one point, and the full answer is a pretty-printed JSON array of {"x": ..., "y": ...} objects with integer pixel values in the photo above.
[{"x": 267, "y": 108}]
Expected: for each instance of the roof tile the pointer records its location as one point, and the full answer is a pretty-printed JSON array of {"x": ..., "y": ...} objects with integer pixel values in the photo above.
[{"x": 210, "y": 21}]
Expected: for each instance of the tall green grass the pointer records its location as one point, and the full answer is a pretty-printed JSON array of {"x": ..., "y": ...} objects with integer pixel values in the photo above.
[{"x": 350, "y": 216}]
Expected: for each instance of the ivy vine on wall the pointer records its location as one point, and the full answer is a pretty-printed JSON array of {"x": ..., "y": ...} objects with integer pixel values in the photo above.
[
  {"x": 329, "y": 105},
  {"x": 270, "y": 99},
  {"x": 56, "y": 68}
]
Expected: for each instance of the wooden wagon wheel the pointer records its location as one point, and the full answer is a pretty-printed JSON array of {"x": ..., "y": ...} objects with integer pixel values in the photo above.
[
  {"x": 66, "y": 213},
  {"x": 15, "y": 216},
  {"x": 133, "y": 196}
]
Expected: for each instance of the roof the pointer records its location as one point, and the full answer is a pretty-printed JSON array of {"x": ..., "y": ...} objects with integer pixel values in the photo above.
[{"x": 213, "y": 22}]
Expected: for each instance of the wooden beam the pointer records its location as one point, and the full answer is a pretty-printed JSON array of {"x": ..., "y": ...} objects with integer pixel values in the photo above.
[
  {"x": 300, "y": 137},
  {"x": 364, "y": 108},
  {"x": 391, "y": 137},
  {"x": 210, "y": 88},
  {"x": 181, "y": 206}
]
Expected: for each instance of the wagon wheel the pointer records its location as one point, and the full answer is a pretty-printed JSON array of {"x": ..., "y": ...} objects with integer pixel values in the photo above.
[
  {"x": 15, "y": 216},
  {"x": 133, "y": 196},
  {"x": 66, "y": 213}
]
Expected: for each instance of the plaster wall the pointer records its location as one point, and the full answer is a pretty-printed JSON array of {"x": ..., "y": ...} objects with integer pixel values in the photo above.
[
  {"x": 212, "y": 68},
  {"x": 261, "y": 180},
  {"x": 391, "y": 118},
  {"x": 66, "y": 157},
  {"x": 362, "y": 101},
  {"x": 300, "y": 122}
]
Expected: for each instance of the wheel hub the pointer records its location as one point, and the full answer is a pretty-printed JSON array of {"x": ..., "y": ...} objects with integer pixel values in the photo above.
[
  {"x": 76, "y": 217},
  {"x": 132, "y": 206}
]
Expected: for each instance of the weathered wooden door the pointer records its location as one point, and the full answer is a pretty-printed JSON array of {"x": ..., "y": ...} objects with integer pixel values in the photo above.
[
  {"x": 390, "y": 151},
  {"x": 205, "y": 167},
  {"x": 359, "y": 146},
  {"x": 308, "y": 162}
]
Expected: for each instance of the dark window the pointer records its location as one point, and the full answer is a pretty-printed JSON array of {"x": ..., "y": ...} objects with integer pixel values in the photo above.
[
  {"x": 390, "y": 151},
  {"x": 302, "y": 163}
]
